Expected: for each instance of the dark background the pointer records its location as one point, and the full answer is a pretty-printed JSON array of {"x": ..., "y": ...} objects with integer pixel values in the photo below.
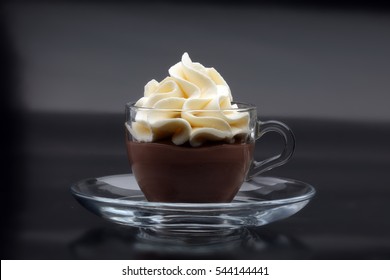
[{"x": 68, "y": 68}]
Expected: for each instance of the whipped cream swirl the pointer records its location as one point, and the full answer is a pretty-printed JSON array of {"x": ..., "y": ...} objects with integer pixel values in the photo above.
[{"x": 193, "y": 104}]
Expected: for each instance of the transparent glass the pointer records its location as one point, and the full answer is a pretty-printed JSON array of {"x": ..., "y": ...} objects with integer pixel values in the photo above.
[
  {"x": 212, "y": 164},
  {"x": 260, "y": 201}
]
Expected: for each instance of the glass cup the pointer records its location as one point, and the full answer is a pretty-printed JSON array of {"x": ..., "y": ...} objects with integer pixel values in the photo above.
[{"x": 212, "y": 172}]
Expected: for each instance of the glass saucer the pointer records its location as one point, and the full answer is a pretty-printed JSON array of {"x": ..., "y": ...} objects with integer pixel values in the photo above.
[{"x": 260, "y": 201}]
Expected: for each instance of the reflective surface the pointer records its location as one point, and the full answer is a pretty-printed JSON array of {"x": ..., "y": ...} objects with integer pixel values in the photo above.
[
  {"x": 260, "y": 201},
  {"x": 347, "y": 163},
  {"x": 124, "y": 243}
]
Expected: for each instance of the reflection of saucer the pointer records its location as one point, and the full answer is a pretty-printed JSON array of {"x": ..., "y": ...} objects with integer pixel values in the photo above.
[
  {"x": 243, "y": 243},
  {"x": 260, "y": 201},
  {"x": 120, "y": 242}
]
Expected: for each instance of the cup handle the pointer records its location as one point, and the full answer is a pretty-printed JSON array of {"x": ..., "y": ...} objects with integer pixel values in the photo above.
[{"x": 280, "y": 159}]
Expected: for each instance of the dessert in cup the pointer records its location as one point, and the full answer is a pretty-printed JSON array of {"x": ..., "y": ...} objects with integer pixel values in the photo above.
[{"x": 188, "y": 141}]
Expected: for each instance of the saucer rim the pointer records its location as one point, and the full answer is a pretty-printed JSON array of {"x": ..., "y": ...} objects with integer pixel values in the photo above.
[{"x": 185, "y": 205}]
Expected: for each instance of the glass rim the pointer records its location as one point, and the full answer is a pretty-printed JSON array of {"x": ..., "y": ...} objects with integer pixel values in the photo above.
[{"x": 243, "y": 107}]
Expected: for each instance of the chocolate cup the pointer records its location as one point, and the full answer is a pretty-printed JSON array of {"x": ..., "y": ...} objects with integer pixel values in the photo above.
[{"x": 209, "y": 174}]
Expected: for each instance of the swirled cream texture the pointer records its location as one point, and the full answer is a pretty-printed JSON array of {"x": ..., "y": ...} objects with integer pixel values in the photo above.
[{"x": 193, "y": 104}]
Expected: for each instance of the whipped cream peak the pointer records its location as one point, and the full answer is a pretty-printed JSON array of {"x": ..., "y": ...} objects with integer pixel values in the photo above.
[
  {"x": 199, "y": 81},
  {"x": 201, "y": 104}
]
